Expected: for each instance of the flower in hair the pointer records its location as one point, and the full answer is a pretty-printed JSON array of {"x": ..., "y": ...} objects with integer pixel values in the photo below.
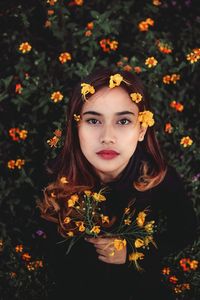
[
  {"x": 136, "y": 97},
  {"x": 115, "y": 80},
  {"x": 77, "y": 117},
  {"x": 86, "y": 89},
  {"x": 146, "y": 118}
]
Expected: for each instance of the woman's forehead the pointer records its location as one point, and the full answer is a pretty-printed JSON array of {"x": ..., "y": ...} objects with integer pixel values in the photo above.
[{"x": 114, "y": 99}]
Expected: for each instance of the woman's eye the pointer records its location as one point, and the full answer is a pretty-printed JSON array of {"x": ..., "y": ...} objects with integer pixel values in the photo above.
[
  {"x": 125, "y": 121},
  {"x": 92, "y": 121}
]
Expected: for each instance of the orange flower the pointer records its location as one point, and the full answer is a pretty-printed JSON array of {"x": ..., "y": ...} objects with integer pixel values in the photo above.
[
  {"x": 194, "y": 56},
  {"x": 166, "y": 79},
  {"x": 177, "y": 105},
  {"x": 143, "y": 26},
  {"x": 23, "y": 134},
  {"x": 47, "y": 24},
  {"x": 113, "y": 45},
  {"x": 18, "y": 88},
  {"x": 64, "y": 57},
  {"x": 173, "y": 279},
  {"x": 56, "y": 96},
  {"x": 137, "y": 69},
  {"x": 78, "y": 2},
  {"x": 52, "y": 2},
  {"x": 194, "y": 264},
  {"x": 11, "y": 164},
  {"x": 19, "y": 163},
  {"x": 26, "y": 256},
  {"x": 149, "y": 21},
  {"x": 88, "y": 33},
  {"x": 151, "y": 62},
  {"x": 175, "y": 78},
  {"x": 166, "y": 271},
  {"x": 25, "y": 47},
  {"x": 19, "y": 248},
  {"x": 50, "y": 12},
  {"x": 156, "y": 2},
  {"x": 53, "y": 141},
  {"x": 186, "y": 141},
  {"x": 168, "y": 128},
  {"x": 58, "y": 132},
  {"x": 90, "y": 25},
  {"x": 17, "y": 134},
  {"x": 127, "y": 68},
  {"x": 107, "y": 45}
]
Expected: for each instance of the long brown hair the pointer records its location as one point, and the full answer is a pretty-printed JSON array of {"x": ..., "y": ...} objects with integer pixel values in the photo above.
[{"x": 72, "y": 163}]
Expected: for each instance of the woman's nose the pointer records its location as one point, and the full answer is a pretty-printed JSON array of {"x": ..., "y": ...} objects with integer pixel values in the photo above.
[{"x": 108, "y": 135}]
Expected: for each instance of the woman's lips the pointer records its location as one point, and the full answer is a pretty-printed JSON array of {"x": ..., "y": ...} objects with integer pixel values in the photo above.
[{"x": 108, "y": 154}]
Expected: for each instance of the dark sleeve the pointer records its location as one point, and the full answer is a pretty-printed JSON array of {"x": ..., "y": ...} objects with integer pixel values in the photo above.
[{"x": 179, "y": 227}]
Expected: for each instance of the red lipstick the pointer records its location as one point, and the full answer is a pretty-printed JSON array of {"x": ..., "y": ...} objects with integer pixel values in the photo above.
[{"x": 107, "y": 154}]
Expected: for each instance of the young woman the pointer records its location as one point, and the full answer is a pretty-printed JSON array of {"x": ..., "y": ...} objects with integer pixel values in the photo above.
[{"x": 110, "y": 142}]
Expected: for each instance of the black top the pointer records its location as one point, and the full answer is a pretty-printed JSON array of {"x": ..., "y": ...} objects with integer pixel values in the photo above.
[{"x": 80, "y": 275}]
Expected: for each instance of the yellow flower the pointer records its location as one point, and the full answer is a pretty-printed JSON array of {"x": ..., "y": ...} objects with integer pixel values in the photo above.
[
  {"x": 151, "y": 62},
  {"x": 141, "y": 218},
  {"x": 64, "y": 180},
  {"x": 19, "y": 163},
  {"x": 86, "y": 89},
  {"x": 113, "y": 45},
  {"x": 115, "y": 80},
  {"x": 139, "y": 243},
  {"x": 105, "y": 219},
  {"x": 67, "y": 220},
  {"x": 136, "y": 97},
  {"x": 98, "y": 197},
  {"x": 135, "y": 256},
  {"x": 23, "y": 134},
  {"x": 71, "y": 203},
  {"x": 119, "y": 244},
  {"x": 95, "y": 229},
  {"x": 149, "y": 226},
  {"x": 149, "y": 239},
  {"x": 64, "y": 57},
  {"x": 146, "y": 118},
  {"x": 127, "y": 221},
  {"x": 25, "y": 47},
  {"x": 73, "y": 199},
  {"x": 77, "y": 117},
  {"x": 194, "y": 264},
  {"x": 80, "y": 225},
  {"x": 88, "y": 193},
  {"x": 56, "y": 96},
  {"x": 70, "y": 233},
  {"x": 186, "y": 141}
]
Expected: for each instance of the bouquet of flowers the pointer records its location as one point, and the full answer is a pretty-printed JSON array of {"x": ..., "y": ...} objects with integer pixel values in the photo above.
[{"x": 84, "y": 217}]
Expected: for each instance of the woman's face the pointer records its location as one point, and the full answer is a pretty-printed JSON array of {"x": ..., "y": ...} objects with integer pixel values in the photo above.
[{"x": 109, "y": 121}]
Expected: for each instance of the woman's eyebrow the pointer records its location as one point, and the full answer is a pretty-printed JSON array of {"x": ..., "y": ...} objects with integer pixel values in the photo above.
[{"x": 95, "y": 113}]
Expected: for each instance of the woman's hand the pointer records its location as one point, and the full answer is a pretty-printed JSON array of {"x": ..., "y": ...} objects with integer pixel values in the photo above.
[{"x": 106, "y": 250}]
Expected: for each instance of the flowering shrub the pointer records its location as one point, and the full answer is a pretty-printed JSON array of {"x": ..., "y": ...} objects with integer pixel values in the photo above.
[{"x": 48, "y": 46}]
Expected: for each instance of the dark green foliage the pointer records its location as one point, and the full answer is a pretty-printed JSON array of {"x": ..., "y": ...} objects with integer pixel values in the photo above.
[{"x": 40, "y": 73}]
